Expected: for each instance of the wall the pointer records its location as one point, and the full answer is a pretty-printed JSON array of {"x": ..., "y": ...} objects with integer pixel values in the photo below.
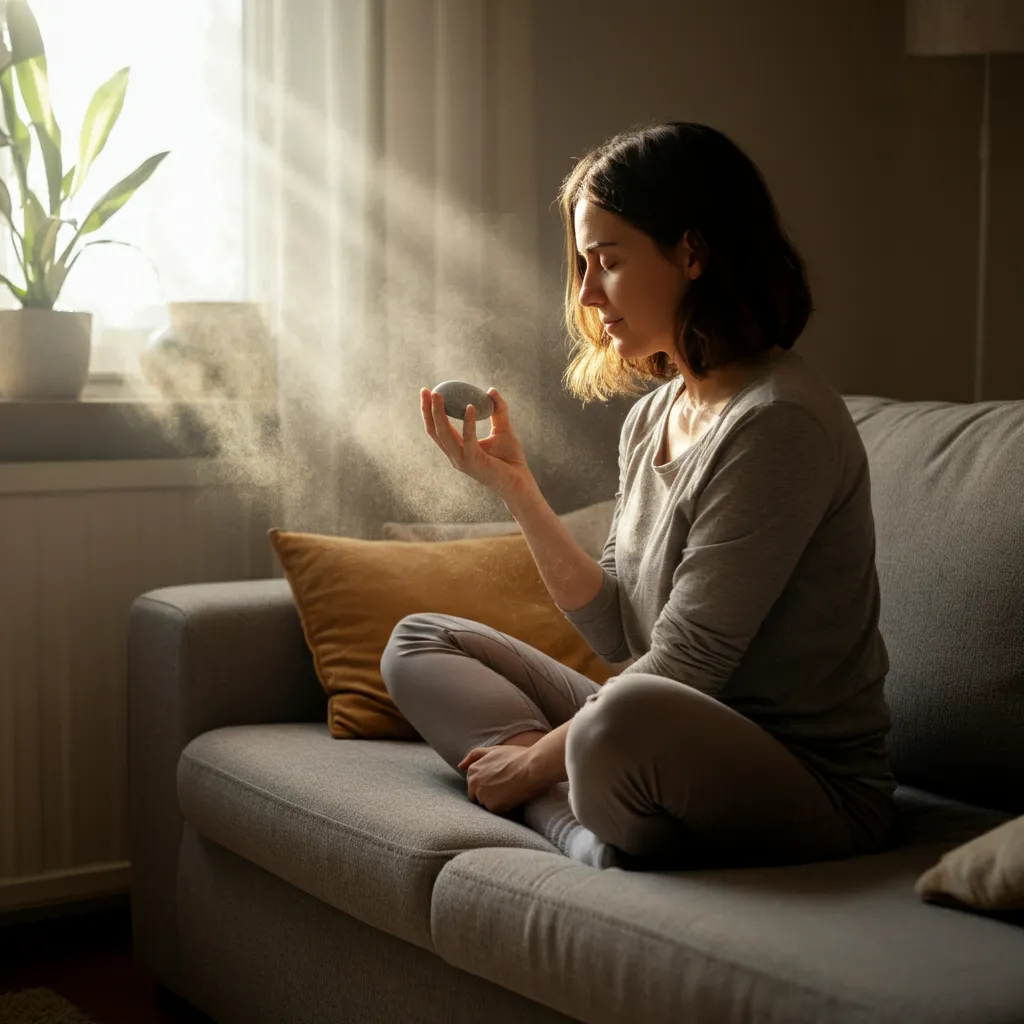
[
  {"x": 79, "y": 541},
  {"x": 1004, "y": 341},
  {"x": 871, "y": 156},
  {"x": 477, "y": 111}
]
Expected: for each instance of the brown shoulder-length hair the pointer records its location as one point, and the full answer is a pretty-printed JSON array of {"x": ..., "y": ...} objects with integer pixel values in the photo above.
[{"x": 668, "y": 180}]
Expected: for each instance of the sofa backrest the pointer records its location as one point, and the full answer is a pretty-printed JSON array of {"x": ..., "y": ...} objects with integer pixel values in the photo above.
[{"x": 947, "y": 487}]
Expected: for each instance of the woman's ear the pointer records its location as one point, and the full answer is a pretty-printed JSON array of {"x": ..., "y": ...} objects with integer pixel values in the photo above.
[{"x": 688, "y": 259}]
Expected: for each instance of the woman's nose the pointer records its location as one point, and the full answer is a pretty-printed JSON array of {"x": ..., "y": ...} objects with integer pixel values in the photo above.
[{"x": 590, "y": 295}]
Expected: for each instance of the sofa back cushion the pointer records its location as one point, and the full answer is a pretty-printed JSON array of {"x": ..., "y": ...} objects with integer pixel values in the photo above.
[{"x": 947, "y": 485}]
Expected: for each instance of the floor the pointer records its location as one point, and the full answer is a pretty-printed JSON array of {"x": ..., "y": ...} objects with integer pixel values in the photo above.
[{"x": 84, "y": 952}]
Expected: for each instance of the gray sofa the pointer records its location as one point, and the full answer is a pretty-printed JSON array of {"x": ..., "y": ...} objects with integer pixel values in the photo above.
[{"x": 280, "y": 875}]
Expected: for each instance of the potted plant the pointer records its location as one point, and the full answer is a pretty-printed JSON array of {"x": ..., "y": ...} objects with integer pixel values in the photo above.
[{"x": 44, "y": 352}]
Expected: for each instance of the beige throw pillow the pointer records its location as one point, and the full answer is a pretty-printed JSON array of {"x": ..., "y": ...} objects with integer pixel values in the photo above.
[
  {"x": 589, "y": 527},
  {"x": 350, "y": 593},
  {"x": 986, "y": 873}
]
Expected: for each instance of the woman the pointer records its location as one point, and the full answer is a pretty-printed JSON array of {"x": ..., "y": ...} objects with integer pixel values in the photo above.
[{"x": 739, "y": 572}]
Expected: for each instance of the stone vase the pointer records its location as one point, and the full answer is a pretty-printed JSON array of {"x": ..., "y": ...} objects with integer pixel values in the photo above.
[{"x": 44, "y": 353}]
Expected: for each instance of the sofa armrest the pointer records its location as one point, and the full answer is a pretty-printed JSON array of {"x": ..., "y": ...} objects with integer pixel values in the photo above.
[{"x": 199, "y": 657}]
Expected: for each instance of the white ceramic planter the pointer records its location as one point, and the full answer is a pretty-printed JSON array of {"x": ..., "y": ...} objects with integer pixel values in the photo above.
[{"x": 44, "y": 353}]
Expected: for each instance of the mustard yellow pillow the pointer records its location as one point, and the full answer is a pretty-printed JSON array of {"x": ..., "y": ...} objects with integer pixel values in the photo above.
[
  {"x": 351, "y": 593},
  {"x": 986, "y": 873}
]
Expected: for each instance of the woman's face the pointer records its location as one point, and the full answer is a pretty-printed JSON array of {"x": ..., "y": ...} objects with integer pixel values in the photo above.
[{"x": 634, "y": 288}]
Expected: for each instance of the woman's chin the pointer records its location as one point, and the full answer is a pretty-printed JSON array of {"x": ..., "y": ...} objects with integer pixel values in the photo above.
[{"x": 621, "y": 346}]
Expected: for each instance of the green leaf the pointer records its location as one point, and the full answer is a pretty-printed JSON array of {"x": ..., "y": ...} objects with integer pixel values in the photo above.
[
  {"x": 56, "y": 276},
  {"x": 21, "y": 150},
  {"x": 112, "y": 200},
  {"x": 26, "y": 40},
  {"x": 7, "y": 212},
  {"x": 35, "y": 296},
  {"x": 46, "y": 242},
  {"x": 29, "y": 60},
  {"x": 18, "y": 293},
  {"x": 35, "y": 219},
  {"x": 104, "y": 110},
  {"x": 65, "y": 190},
  {"x": 58, "y": 273},
  {"x": 19, "y": 247},
  {"x": 6, "y": 206},
  {"x": 52, "y": 163},
  {"x": 35, "y": 91}
]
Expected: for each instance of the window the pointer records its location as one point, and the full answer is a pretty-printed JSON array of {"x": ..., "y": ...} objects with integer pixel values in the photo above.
[{"x": 185, "y": 94}]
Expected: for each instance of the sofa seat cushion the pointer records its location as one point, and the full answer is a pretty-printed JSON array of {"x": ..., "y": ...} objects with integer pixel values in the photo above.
[
  {"x": 835, "y": 941},
  {"x": 364, "y": 825}
]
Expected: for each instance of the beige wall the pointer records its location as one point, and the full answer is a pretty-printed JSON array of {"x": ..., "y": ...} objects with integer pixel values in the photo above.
[
  {"x": 1004, "y": 343},
  {"x": 871, "y": 156},
  {"x": 934, "y": 301}
]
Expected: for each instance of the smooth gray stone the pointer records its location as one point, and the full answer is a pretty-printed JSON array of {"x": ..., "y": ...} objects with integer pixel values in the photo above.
[{"x": 457, "y": 394}]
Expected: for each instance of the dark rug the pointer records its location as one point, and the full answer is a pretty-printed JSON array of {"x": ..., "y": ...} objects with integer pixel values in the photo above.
[{"x": 39, "y": 1006}]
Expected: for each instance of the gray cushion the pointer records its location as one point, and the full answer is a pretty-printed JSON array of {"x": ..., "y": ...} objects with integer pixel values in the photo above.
[
  {"x": 838, "y": 941},
  {"x": 589, "y": 526},
  {"x": 947, "y": 483},
  {"x": 364, "y": 825}
]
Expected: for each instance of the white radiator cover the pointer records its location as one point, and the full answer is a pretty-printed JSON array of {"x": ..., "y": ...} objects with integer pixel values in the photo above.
[{"x": 78, "y": 543}]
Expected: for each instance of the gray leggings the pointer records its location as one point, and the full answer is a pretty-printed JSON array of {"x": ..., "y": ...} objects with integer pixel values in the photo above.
[{"x": 656, "y": 768}]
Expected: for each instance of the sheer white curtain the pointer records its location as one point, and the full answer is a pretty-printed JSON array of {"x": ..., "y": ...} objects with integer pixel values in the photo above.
[
  {"x": 185, "y": 94},
  {"x": 362, "y": 168},
  {"x": 393, "y": 210}
]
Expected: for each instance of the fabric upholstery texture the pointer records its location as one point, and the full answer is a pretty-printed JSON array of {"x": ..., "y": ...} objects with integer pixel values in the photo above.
[
  {"x": 947, "y": 486},
  {"x": 840, "y": 941},
  {"x": 986, "y": 873},
  {"x": 382, "y": 832},
  {"x": 257, "y": 950},
  {"x": 199, "y": 657},
  {"x": 351, "y": 593},
  {"x": 364, "y": 826},
  {"x": 280, "y": 876}
]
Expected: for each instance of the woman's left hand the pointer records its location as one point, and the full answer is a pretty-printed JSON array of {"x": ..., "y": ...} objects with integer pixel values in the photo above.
[{"x": 500, "y": 778}]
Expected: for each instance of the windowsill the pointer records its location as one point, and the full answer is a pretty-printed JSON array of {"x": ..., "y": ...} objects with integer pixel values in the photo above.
[
  {"x": 115, "y": 387},
  {"x": 114, "y": 419}
]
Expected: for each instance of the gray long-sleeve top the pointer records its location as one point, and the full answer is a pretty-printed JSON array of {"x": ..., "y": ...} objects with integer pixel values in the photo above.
[{"x": 746, "y": 567}]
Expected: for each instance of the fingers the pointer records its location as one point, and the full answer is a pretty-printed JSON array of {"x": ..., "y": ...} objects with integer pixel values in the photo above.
[
  {"x": 439, "y": 428},
  {"x": 436, "y": 422},
  {"x": 474, "y": 755},
  {"x": 500, "y": 408},
  {"x": 426, "y": 403},
  {"x": 437, "y": 413}
]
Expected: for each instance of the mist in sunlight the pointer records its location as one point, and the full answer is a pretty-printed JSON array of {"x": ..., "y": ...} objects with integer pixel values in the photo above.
[{"x": 373, "y": 283}]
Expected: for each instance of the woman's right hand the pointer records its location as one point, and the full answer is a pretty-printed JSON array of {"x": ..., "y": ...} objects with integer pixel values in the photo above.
[{"x": 496, "y": 461}]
